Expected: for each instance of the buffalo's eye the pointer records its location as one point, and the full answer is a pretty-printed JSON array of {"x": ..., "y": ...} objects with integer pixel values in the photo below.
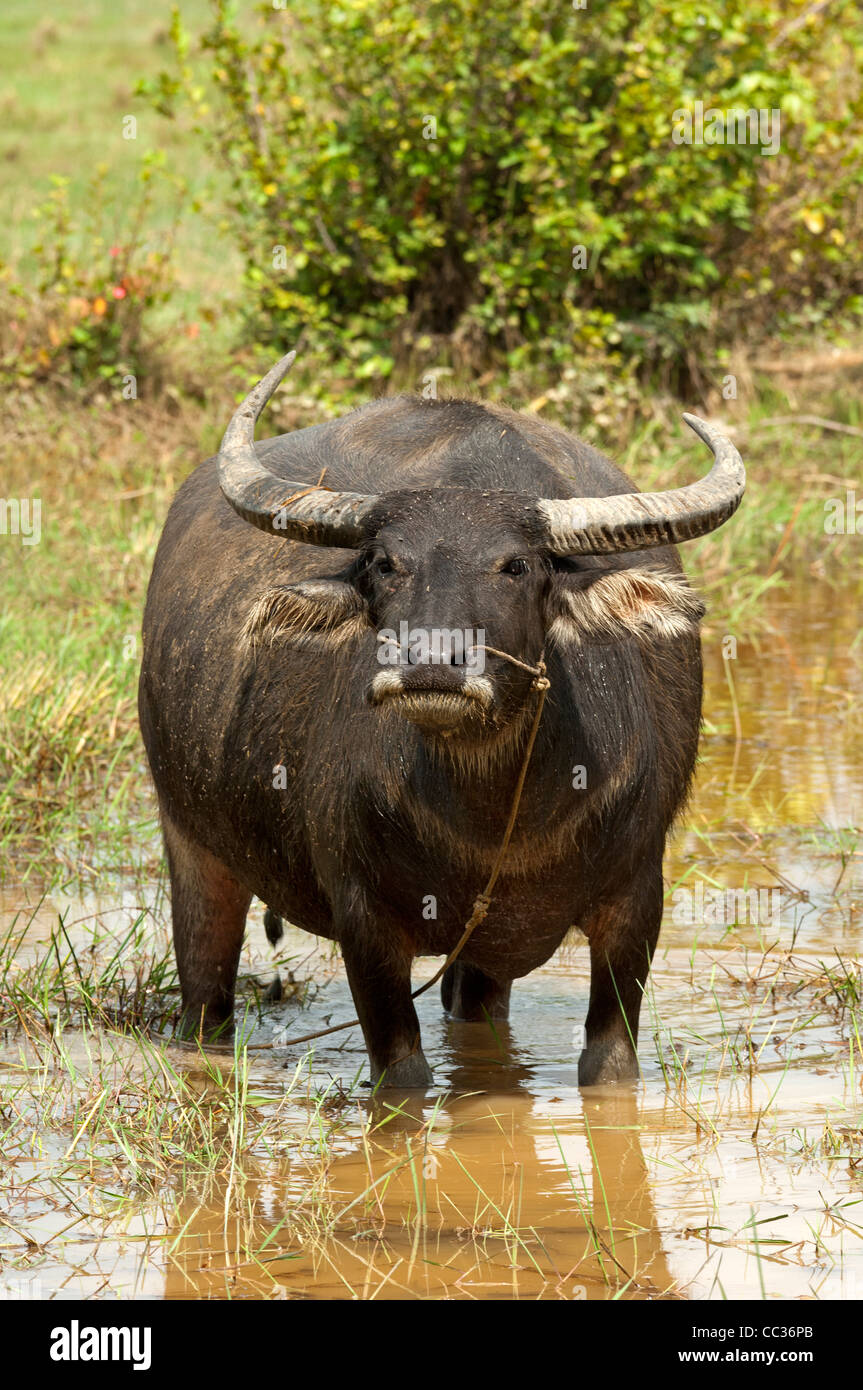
[
  {"x": 516, "y": 566},
  {"x": 384, "y": 566}
]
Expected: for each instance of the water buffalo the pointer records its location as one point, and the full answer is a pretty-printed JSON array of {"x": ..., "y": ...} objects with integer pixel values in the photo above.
[{"x": 365, "y": 801}]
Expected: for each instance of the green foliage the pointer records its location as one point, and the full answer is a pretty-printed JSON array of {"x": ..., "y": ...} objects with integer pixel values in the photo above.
[
  {"x": 553, "y": 130},
  {"x": 81, "y": 315}
]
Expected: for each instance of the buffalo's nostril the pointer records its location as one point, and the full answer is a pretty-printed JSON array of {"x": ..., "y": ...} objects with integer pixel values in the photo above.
[{"x": 434, "y": 653}]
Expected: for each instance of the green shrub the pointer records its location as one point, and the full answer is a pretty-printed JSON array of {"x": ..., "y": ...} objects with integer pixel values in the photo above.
[{"x": 403, "y": 175}]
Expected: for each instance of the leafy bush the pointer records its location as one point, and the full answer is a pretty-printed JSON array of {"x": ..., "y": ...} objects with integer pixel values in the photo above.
[
  {"x": 405, "y": 174},
  {"x": 80, "y": 316}
]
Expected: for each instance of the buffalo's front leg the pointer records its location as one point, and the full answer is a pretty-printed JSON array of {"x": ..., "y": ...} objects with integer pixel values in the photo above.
[
  {"x": 379, "y": 975},
  {"x": 622, "y": 938}
]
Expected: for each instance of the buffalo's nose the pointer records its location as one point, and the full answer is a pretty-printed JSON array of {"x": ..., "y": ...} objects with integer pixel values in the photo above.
[
  {"x": 443, "y": 656},
  {"x": 439, "y": 646},
  {"x": 424, "y": 676}
]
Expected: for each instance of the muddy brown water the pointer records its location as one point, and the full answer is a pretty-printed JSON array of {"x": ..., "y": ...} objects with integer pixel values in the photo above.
[{"x": 734, "y": 1169}]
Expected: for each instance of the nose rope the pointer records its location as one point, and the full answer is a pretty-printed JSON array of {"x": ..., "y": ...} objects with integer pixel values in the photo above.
[
  {"x": 541, "y": 685},
  {"x": 537, "y": 671}
]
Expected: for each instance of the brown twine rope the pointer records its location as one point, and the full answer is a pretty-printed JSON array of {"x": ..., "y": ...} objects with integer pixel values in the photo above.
[{"x": 482, "y": 902}]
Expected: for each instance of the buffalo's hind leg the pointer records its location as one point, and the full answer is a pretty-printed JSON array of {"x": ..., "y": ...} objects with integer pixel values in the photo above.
[
  {"x": 622, "y": 936},
  {"x": 470, "y": 996},
  {"x": 208, "y": 910}
]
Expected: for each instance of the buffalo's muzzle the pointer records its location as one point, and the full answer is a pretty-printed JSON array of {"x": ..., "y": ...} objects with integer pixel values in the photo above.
[{"x": 436, "y": 699}]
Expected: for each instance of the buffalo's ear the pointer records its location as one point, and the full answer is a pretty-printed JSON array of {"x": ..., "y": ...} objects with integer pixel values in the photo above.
[
  {"x": 640, "y": 603},
  {"x": 314, "y": 612}
]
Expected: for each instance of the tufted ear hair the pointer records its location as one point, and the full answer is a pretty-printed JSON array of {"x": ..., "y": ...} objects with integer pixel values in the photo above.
[
  {"x": 640, "y": 603},
  {"x": 320, "y": 613}
]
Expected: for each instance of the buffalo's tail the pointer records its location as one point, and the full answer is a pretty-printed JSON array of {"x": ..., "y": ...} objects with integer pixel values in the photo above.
[{"x": 273, "y": 926}]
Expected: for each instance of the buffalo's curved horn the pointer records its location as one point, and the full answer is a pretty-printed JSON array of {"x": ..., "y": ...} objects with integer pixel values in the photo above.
[
  {"x": 638, "y": 520},
  {"x": 292, "y": 510}
]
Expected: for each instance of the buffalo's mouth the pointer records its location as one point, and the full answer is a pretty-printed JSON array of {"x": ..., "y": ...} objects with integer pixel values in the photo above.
[{"x": 434, "y": 702}]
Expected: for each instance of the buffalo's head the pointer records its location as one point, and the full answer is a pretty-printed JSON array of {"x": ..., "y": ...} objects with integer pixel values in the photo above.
[{"x": 454, "y": 582}]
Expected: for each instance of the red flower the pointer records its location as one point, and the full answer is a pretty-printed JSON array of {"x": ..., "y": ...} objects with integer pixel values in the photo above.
[
  {"x": 115, "y": 250},
  {"x": 119, "y": 291}
]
